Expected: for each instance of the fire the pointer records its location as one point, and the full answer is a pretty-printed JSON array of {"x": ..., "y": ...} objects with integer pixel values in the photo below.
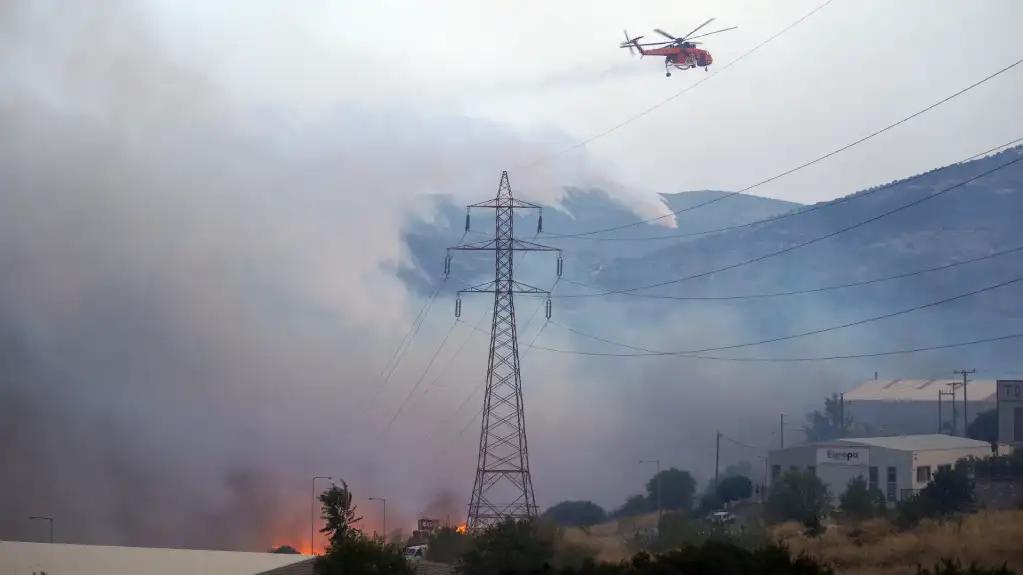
[{"x": 460, "y": 528}]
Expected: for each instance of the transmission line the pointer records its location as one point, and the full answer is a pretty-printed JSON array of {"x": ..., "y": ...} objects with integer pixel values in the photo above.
[
  {"x": 816, "y": 331},
  {"x": 806, "y": 243},
  {"x": 798, "y": 211},
  {"x": 812, "y": 290},
  {"x": 785, "y": 359},
  {"x": 802, "y": 166}
]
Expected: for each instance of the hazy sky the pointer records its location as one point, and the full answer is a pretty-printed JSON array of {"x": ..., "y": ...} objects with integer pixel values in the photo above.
[
  {"x": 851, "y": 68},
  {"x": 201, "y": 201}
]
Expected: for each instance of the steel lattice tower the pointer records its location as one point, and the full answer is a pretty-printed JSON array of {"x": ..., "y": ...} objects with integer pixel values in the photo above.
[{"x": 503, "y": 488}]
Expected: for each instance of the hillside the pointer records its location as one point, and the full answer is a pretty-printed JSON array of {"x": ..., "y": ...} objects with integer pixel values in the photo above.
[{"x": 968, "y": 222}]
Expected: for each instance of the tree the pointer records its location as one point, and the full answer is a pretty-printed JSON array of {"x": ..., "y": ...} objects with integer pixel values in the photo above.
[
  {"x": 949, "y": 492},
  {"x": 797, "y": 496},
  {"x": 858, "y": 501},
  {"x": 742, "y": 467},
  {"x": 576, "y": 513},
  {"x": 508, "y": 547},
  {"x": 447, "y": 544},
  {"x": 634, "y": 505},
  {"x": 984, "y": 427},
  {"x": 734, "y": 488},
  {"x": 285, "y": 549},
  {"x": 350, "y": 552},
  {"x": 827, "y": 425},
  {"x": 678, "y": 489},
  {"x": 338, "y": 513}
]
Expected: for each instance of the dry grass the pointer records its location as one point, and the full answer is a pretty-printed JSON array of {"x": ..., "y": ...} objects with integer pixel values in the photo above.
[{"x": 874, "y": 547}]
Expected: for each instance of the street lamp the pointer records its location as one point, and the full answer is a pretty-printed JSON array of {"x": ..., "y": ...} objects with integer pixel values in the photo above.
[
  {"x": 312, "y": 514},
  {"x": 49, "y": 519},
  {"x": 658, "y": 476},
  {"x": 384, "y": 502}
]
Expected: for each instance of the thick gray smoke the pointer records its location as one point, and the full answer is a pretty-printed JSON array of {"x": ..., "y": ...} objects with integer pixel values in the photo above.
[{"x": 192, "y": 302}]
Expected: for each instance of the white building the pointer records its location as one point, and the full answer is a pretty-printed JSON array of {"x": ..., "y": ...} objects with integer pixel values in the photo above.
[
  {"x": 24, "y": 558},
  {"x": 898, "y": 466},
  {"x": 911, "y": 406}
]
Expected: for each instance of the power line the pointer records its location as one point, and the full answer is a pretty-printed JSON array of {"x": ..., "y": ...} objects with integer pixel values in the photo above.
[
  {"x": 788, "y": 359},
  {"x": 808, "y": 242},
  {"x": 798, "y": 211},
  {"x": 812, "y": 290},
  {"x": 420, "y": 380},
  {"x": 677, "y": 94},
  {"x": 816, "y": 331},
  {"x": 802, "y": 166}
]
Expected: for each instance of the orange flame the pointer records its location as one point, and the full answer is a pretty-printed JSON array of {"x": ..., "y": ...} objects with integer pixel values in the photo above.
[{"x": 460, "y": 528}]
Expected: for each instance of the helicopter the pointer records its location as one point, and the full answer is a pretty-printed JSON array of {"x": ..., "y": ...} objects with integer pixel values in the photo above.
[{"x": 680, "y": 53}]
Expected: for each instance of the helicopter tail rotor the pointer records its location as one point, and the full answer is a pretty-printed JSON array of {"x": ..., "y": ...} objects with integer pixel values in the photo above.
[{"x": 629, "y": 43}]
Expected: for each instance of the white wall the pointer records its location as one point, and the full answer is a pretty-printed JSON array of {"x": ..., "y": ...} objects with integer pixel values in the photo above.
[
  {"x": 1010, "y": 425},
  {"x": 17, "y": 558},
  {"x": 912, "y": 417}
]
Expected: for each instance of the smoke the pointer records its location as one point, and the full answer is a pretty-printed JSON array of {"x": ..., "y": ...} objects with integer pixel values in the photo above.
[{"x": 193, "y": 300}]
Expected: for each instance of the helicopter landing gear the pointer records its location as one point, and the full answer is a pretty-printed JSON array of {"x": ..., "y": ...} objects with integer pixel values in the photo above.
[
  {"x": 668, "y": 74},
  {"x": 707, "y": 69}
]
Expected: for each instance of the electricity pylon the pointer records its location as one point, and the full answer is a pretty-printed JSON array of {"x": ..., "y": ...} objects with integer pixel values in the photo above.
[{"x": 503, "y": 488}]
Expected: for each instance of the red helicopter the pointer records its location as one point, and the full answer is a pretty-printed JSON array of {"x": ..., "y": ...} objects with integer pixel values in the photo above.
[{"x": 680, "y": 53}]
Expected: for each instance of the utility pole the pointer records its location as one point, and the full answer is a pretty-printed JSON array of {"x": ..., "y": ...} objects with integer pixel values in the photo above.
[
  {"x": 942, "y": 393},
  {"x": 503, "y": 488},
  {"x": 966, "y": 419},
  {"x": 781, "y": 431},
  {"x": 717, "y": 458},
  {"x": 841, "y": 414},
  {"x": 658, "y": 476}
]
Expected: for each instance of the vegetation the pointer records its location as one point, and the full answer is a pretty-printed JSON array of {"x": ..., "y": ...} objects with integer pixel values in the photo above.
[
  {"x": 576, "y": 513},
  {"x": 859, "y": 502},
  {"x": 827, "y": 424},
  {"x": 349, "y": 552},
  {"x": 797, "y": 496},
  {"x": 734, "y": 488},
  {"x": 678, "y": 489},
  {"x": 984, "y": 427},
  {"x": 446, "y": 545},
  {"x": 950, "y": 492},
  {"x": 285, "y": 549},
  {"x": 986, "y": 540}
]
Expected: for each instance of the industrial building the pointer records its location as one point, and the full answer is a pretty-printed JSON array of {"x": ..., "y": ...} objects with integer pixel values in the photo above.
[
  {"x": 898, "y": 466},
  {"x": 24, "y": 558},
  {"x": 886, "y": 407}
]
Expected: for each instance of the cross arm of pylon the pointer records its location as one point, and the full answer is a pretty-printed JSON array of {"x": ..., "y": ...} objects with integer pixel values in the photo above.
[
  {"x": 516, "y": 287},
  {"x": 505, "y": 203},
  {"x": 525, "y": 246},
  {"x": 480, "y": 246}
]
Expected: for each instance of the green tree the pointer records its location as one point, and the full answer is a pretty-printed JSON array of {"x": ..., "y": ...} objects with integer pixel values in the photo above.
[
  {"x": 826, "y": 425},
  {"x": 508, "y": 547},
  {"x": 285, "y": 549},
  {"x": 858, "y": 501},
  {"x": 350, "y": 552},
  {"x": 984, "y": 427},
  {"x": 797, "y": 496},
  {"x": 949, "y": 492},
  {"x": 678, "y": 489},
  {"x": 634, "y": 505},
  {"x": 576, "y": 513},
  {"x": 338, "y": 513},
  {"x": 734, "y": 488},
  {"x": 446, "y": 545}
]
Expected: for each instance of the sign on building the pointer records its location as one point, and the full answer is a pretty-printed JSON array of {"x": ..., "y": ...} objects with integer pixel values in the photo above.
[
  {"x": 1010, "y": 410},
  {"x": 844, "y": 455}
]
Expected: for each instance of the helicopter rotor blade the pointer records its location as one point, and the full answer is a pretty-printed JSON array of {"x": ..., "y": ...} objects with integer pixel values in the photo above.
[
  {"x": 715, "y": 32},
  {"x": 665, "y": 34},
  {"x": 628, "y": 44},
  {"x": 695, "y": 30}
]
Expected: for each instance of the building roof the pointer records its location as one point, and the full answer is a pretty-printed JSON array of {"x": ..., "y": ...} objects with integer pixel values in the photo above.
[
  {"x": 915, "y": 442},
  {"x": 54, "y": 558},
  {"x": 306, "y": 567},
  {"x": 981, "y": 390}
]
